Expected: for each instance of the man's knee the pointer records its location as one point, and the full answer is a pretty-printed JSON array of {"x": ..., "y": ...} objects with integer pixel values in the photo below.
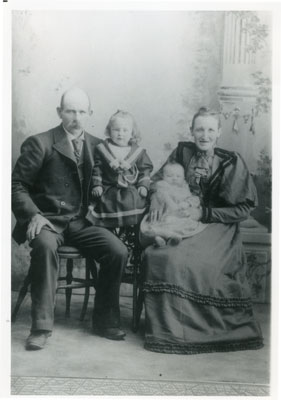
[
  {"x": 118, "y": 250},
  {"x": 45, "y": 242},
  {"x": 114, "y": 247},
  {"x": 103, "y": 245}
]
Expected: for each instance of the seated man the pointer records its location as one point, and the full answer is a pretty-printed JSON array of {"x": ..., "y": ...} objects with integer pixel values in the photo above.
[{"x": 50, "y": 189}]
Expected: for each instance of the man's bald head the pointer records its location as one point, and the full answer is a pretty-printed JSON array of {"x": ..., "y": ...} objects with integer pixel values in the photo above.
[
  {"x": 74, "y": 110},
  {"x": 75, "y": 93}
]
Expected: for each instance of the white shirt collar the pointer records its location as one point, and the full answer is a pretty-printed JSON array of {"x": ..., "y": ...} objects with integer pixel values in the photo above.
[{"x": 70, "y": 137}]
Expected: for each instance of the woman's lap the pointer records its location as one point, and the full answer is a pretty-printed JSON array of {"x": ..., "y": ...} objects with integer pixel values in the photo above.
[
  {"x": 209, "y": 264},
  {"x": 197, "y": 292}
]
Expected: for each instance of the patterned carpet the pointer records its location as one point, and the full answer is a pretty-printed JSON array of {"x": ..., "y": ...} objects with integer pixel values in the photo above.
[
  {"x": 57, "y": 371},
  {"x": 78, "y": 386}
]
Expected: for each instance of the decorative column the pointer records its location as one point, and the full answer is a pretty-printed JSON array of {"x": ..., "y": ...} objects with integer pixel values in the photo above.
[
  {"x": 238, "y": 103},
  {"x": 237, "y": 97}
]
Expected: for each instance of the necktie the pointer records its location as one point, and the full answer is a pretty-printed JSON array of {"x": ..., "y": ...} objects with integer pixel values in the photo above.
[{"x": 77, "y": 146}]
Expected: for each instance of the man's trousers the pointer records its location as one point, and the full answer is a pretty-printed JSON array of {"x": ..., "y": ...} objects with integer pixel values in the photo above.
[{"x": 96, "y": 242}]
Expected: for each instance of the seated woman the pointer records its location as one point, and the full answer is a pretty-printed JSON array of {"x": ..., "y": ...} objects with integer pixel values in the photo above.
[{"x": 197, "y": 298}]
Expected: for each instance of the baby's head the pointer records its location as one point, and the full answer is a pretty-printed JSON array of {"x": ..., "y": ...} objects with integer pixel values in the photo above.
[
  {"x": 122, "y": 129},
  {"x": 173, "y": 173}
]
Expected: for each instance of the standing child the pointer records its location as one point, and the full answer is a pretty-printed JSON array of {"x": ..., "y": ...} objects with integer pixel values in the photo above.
[{"x": 121, "y": 175}]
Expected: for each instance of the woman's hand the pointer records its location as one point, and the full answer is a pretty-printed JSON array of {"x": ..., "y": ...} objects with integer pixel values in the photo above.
[
  {"x": 184, "y": 212},
  {"x": 156, "y": 210},
  {"x": 155, "y": 215},
  {"x": 195, "y": 213},
  {"x": 97, "y": 191}
]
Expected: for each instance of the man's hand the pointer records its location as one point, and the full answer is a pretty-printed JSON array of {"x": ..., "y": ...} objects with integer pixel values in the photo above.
[
  {"x": 143, "y": 191},
  {"x": 97, "y": 191},
  {"x": 36, "y": 224}
]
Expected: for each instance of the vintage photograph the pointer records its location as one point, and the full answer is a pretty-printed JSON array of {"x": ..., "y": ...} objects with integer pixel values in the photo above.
[{"x": 141, "y": 196}]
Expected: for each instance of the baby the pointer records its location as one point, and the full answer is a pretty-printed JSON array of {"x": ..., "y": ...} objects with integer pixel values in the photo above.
[{"x": 174, "y": 196}]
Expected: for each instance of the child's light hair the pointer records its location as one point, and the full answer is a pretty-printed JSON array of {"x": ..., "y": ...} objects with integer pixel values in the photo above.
[
  {"x": 136, "y": 137},
  {"x": 206, "y": 112}
]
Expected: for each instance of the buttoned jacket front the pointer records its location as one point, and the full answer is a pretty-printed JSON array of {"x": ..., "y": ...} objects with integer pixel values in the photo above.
[{"x": 46, "y": 180}]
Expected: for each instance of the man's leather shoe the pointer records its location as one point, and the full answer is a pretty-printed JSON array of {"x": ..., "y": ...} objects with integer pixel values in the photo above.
[
  {"x": 37, "y": 340},
  {"x": 110, "y": 333}
]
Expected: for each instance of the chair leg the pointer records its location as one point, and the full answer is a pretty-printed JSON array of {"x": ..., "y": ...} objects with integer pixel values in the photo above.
[
  {"x": 87, "y": 290},
  {"x": 21, "y": 296},
  {"x": 140, "y": 302},
  {"x": 135, "y": 297},
  {"x": 94, "y": 272},
  {"x": 140, "y": 296},
  {"x": 68, "y": 291}
]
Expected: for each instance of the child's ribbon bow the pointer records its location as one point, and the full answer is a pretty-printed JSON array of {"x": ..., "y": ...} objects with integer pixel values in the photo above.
[
  {"x": 114, "y": 164},
  {"x": 125, "y": 165},
  {"x": 122, "y": 164}
]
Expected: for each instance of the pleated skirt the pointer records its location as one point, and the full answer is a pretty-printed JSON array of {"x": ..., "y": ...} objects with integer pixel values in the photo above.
[
  {"x": 117, "y": 207},
  {"x": 197, "y": 296}
]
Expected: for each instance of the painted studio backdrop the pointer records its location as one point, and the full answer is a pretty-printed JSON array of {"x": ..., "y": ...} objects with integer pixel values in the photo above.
[{"x": 159, "y": 65}]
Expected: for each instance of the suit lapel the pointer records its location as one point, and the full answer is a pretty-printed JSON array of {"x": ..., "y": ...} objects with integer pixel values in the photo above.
[
  {"x": 89, "y": 147},
  {"x": 62, "y": 144}
]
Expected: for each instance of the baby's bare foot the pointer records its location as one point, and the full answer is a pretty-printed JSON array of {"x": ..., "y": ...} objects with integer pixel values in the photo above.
[
  {"x": 174, "y": 240},
  {"x": 159, "y": 241}
]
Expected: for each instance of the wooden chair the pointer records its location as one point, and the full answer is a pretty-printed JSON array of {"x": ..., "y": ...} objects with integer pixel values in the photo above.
[
  {"x": 131, "y": 275},
  {"x": 70, "y": 254},
  {"x": 133, "y": 272}
]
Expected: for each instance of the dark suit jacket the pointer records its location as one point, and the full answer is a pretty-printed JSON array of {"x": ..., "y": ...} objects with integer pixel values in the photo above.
[{"x": 46, "y": 180}]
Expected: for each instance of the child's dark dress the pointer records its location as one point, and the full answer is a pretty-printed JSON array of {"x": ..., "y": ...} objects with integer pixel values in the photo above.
[{"x": 120, "y": 204}]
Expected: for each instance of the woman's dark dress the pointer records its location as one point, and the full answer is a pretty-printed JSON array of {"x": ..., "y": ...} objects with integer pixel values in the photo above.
[{"x": 197, "y": 297}]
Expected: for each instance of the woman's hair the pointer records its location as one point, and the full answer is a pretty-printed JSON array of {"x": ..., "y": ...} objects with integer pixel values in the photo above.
[
  {"x": 206, "y": 112},
  {"x": 136, "y": 137}
]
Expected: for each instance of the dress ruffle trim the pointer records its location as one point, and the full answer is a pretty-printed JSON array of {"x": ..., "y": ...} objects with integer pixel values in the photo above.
[
  {"x": 196, "y": 348},
  {"x": 162, "y": 287}
]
